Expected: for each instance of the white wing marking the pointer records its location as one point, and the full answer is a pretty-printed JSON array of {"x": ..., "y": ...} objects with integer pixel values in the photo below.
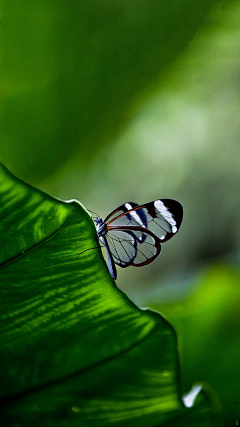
[
  {"x": 135, "y": 215},
  {"x": 161, "y": 208}
]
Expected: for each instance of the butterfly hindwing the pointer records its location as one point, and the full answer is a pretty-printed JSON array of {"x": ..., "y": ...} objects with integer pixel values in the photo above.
[
  {"x": 123, "y": 247},
  {"x": 129, "y": 248}
]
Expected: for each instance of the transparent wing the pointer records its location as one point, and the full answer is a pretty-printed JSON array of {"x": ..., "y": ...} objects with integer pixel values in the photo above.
[
  {"x": 128, "y": 247},
  {"x": 162, "y": 217}
]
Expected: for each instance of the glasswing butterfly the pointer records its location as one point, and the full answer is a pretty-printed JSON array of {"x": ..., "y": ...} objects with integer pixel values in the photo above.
[{"x": 133, "y": 234}]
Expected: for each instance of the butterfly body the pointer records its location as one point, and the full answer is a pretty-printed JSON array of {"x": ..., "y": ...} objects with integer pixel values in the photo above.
[
  {"x": 101, "y": 226},
  {"x": 132, "y": 234}
]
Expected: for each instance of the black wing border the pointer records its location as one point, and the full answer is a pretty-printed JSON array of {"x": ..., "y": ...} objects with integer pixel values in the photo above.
[{"x": 174, "y": 207}]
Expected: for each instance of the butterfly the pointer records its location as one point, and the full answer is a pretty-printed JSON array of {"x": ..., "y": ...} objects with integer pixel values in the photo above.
[{"x": 133, "y": 234}]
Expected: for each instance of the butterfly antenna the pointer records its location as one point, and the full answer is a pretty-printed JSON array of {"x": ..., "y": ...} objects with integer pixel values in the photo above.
[
  {"x": 96, "y": 247},
  {"x": 92, "y": 212}
]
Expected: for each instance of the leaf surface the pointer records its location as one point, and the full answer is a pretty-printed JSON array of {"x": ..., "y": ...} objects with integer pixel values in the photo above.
[{"x": 74, "y": 349}]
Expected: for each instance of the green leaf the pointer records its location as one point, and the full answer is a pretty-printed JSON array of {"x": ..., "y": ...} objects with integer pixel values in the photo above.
[{"x": 74, "y": 350}]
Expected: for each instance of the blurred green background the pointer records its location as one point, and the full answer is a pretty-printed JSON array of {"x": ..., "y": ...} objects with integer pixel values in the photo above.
[{"x": 109, "y": 102}]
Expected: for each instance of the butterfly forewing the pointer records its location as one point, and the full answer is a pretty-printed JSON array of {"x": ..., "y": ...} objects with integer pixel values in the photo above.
[{"x": 162, "y": 217}]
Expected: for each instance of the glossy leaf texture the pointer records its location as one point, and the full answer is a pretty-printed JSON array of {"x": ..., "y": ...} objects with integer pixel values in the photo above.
[{"x": 74, "y": 350}]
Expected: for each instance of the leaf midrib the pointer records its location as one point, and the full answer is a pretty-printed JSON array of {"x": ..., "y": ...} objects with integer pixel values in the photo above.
[{"x": 19, "y": 256}]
